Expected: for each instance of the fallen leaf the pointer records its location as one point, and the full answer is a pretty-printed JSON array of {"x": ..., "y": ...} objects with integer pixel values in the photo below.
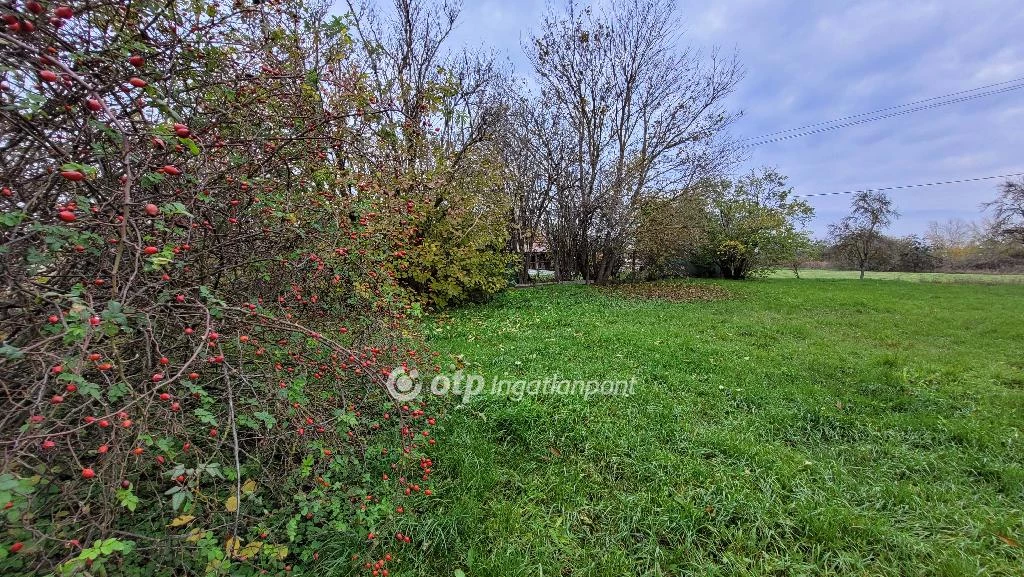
[
  {"x": 249, "y": 487},
  {"x": 231, "y": 504},
  {"x": 1008, "y": 540}
]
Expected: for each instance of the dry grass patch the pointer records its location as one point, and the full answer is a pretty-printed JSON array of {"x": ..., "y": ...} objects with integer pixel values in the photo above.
[{"x": 672, "y": 291}]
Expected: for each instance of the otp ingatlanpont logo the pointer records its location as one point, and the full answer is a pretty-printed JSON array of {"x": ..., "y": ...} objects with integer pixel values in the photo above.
[{"x": 403, "y": 386}]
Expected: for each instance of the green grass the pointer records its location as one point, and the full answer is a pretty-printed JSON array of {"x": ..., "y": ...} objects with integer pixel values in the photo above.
[
  {"x": 801, "y": 427},
  {"x": 939, "y": 277}
]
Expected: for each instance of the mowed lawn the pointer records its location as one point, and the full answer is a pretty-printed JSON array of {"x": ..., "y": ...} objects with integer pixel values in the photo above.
[
  {"x": 942, "y": 277},
  {"x": 800, "y": 427}
]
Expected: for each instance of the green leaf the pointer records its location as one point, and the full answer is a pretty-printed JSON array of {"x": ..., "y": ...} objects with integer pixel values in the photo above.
[
  {"x": 267, "y": 419},
  {"x": 175, "y": 208},
  {"x": 117, "y": 391},
  {"x": 205, "y": 417},
  {"x": 190, "y": 145},
  {"x": 11, "y": 219},
  {"x": 151, "y": 179},
  {"x": 178, "y": 499},
  {"x": 128, "y": 499}
]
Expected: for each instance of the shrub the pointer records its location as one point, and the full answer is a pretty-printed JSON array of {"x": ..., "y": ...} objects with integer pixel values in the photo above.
[{"x": 199, "y": 298}]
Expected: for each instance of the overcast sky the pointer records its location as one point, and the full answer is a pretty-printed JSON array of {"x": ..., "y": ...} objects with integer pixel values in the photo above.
[{"x": 809, "y": 61}]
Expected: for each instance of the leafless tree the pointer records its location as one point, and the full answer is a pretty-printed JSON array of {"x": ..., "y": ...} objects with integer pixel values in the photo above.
[
  {"x": 405, "y": 50},
  {"x": 644, "y": 118},
  {"x": 527, "y": 176},
  {"x": 1008, "y": 211},
  {"x": 859, "y": 233}
]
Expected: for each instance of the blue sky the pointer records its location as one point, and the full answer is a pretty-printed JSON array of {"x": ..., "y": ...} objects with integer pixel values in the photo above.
[{"x": 808, "y": 62}]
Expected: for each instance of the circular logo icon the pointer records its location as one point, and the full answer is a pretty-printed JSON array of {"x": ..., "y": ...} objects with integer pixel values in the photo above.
[{"x": 403, "y": 386}]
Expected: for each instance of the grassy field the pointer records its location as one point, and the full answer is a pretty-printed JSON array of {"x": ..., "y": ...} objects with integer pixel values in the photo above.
[
  {"x": 940, "y": 277},
  {"x": 798, "y": 427}
]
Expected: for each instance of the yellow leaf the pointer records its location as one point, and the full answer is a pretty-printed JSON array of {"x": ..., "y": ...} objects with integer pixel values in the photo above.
[
  {"x": 214, "y": 566},
  {"x": 231, "y": 504},
  {"x": 182, "y": 520},
  {"x": 249, "y": 487},
  {"x": 250, "y": 550},
  {"x": 232, "y": 545},
  {"x": 279, "y": 551},
  {"x": 194, "y": 535}
]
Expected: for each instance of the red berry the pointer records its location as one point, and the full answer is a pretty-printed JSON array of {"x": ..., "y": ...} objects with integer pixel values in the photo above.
[
  {"x": 56, "y": 399},
  {"x": 136, "y": 82},
  {"x": 88, "y": 473},
  {"x": 47, "y": 75},
  {"x": 72, "y": 175},
  {"x": 35, "y": 7},
  {"x": 171, "y": 170},
  {"x": 175, "y": 407},
  {"x": 152, "y": 209},
  {"x": 48, "y": 444},
  {"x": 165, "y": 396},
  {"x": 157, "y": 377},
  {"x": 137, "y": 61},
  {"x": 57, "y": 369},
  {"x": 67, "y": 215},
  {"x": 54, "y": 319},
  {"x": 64, "y": 12},
  {"x": 16, "y": 547},
  {"x": 93, "y": 104},
  {"x": 151, "y": 250}
]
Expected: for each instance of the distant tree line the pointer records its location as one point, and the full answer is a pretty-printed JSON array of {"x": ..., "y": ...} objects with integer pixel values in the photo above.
[{"x": 993, "y": 244}]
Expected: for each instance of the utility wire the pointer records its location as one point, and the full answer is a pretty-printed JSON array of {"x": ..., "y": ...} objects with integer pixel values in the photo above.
[
  {"x": 873, "y": 112},
  {"x": 904, "y": 186},
  {"x": 890, "y": 115}
]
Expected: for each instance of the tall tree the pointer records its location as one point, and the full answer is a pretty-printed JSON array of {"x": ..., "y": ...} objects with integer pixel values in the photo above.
[
  {"x": 1008, "y": 211},
  {"x": 644, "y": 117},
  {"x": 858, "y": 234},
  {"x": 754, "y": 223},
  {"x": 446, "y": 108}
]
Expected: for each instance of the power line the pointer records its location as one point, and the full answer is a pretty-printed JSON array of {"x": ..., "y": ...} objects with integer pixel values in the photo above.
[
  {"x": 884, "y": 116},
  {"x": 862, "y": 114},
  {"x": 904, "y": 186}
]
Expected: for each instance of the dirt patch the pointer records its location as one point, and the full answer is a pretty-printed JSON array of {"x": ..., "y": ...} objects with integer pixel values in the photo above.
[{"x": 679, "y": 292}]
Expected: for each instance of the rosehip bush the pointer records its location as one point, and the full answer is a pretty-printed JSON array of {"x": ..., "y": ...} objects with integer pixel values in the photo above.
[{"x": 199, "y": 305}]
